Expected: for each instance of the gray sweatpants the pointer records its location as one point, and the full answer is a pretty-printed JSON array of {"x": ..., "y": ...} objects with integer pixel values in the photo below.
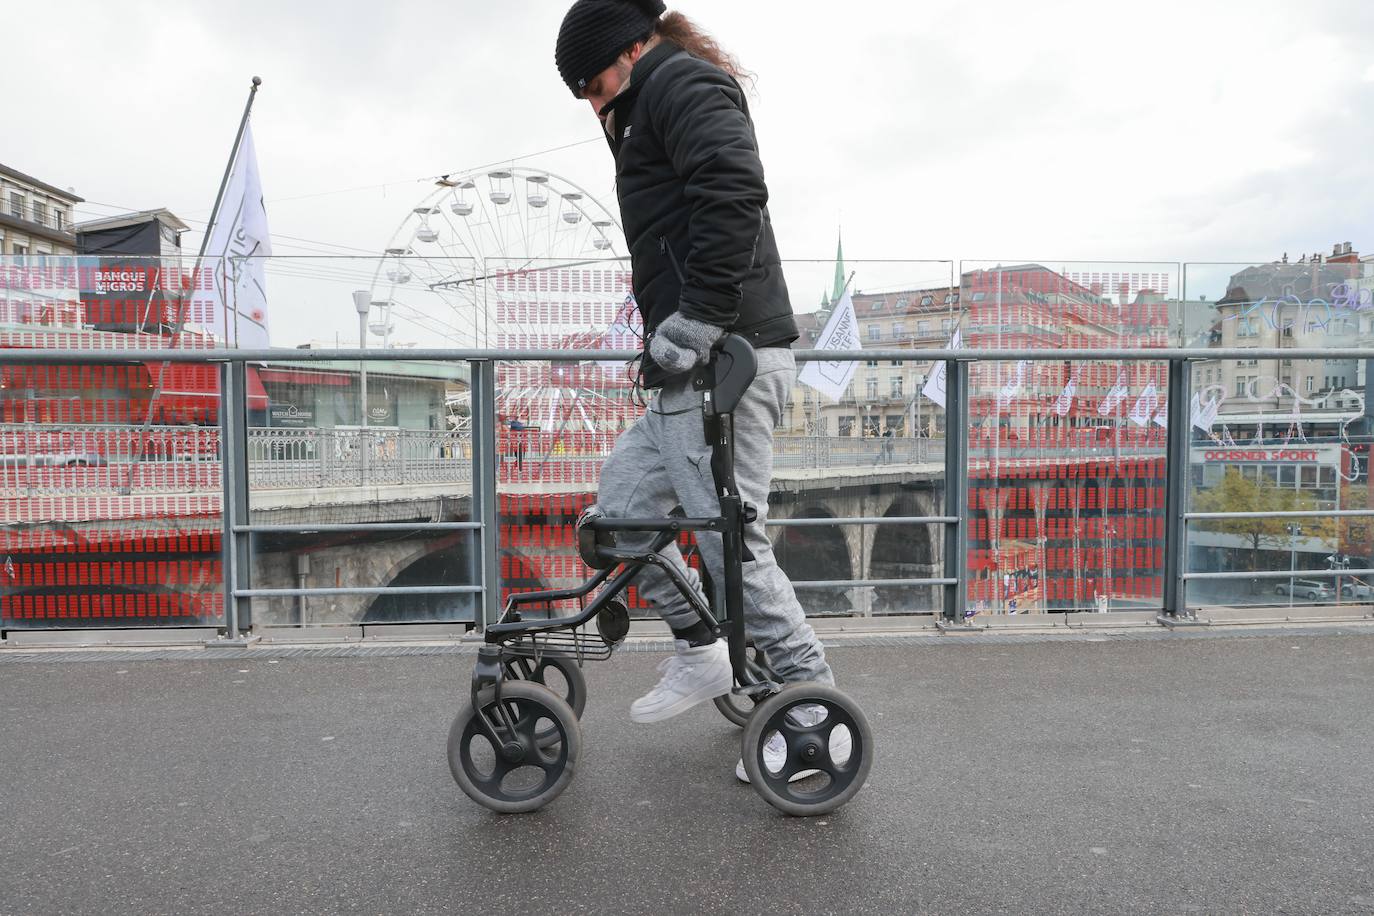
[{"x": 663, "y": 461}]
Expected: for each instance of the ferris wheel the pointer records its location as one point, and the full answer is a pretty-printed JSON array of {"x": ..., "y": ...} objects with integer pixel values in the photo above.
[{"x": 516, "y": 258}]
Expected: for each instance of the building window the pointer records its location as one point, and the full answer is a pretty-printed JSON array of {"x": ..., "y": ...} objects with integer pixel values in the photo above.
[
  {"x": 901, "y": 303},
  {"x": 877, "y": 304},
  {"x": 923, "y": 327},
  {"x": 927, "y": 300},
  {"x": 896, "y": 390},
  {"x": 871, "y": 388},
  {"x": 20, "y": 251},
  {"x": 16, "y": 204},
  {"x": 40, "y": 212},
  {"x": 1247, "y": 327},
  {"x": 1308, "y": 383},
  {"x": 946, "y": 324},
  {"x": 1242, "y": 385},
  {"x": 59, "y": 218},
  {"x": 871, "y": 363},
  {"x": 898, "y": 329},
  {"x": 875, "y": 332},
  {"x": 847, "y": 425}
]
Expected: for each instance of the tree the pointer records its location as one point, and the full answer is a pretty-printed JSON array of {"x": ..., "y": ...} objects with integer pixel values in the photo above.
[{"x": 1236, "y": 493}]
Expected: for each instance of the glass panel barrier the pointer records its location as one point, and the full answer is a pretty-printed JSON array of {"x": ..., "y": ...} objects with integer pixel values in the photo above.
[
  {"x": 1280, "y": 435},
  {"x": 1067, "y": 476},
  {"x": 110, "y": 499},
  {"x": 111, "y": 476}
]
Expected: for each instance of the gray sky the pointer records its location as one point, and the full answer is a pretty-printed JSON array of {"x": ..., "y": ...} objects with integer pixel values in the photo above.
[{"x": 1209, "y": 130}]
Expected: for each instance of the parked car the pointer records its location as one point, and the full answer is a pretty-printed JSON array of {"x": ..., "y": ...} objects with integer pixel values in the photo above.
[
  {"x": 1310, "y": 589},
  {"x": 1357, "y": 589},
  {"x": 53, "y": 460}
]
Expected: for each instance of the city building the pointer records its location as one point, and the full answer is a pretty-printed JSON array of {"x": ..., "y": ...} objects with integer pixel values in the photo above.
[{"x": 35, "y": 217}]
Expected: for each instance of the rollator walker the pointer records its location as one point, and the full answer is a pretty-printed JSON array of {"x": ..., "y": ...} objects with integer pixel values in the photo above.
[{"x": 514, "y": 747}]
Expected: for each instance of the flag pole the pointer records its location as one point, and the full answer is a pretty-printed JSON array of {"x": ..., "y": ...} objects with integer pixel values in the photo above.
[
  {"x": 219, "y": 196},
  {"x": 229, "y": 167},
  {"x": 181, "y": 303}
]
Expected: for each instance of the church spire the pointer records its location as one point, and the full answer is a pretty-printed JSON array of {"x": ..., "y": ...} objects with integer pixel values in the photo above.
[{"x": 839, "y": 269}]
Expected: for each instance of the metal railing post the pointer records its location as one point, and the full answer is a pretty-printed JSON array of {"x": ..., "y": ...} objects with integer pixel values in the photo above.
[
  {"x": 1176, "y": 489},
  {"x": 484, "y": 501},
  {"x": 236, "y": 555},
  {"x": 956, "y": 489}
]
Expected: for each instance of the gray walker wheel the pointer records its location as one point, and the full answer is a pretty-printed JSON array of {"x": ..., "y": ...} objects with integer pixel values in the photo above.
[
  {"x": 828, "y": 749},
  {"x": 521, "y": 771}
]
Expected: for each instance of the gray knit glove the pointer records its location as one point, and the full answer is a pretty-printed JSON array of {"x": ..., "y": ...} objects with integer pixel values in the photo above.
[{"x": 681, "y": 343}]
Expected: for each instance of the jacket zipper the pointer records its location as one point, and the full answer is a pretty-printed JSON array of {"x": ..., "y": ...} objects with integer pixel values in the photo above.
[{"x": 665, "y": 248}]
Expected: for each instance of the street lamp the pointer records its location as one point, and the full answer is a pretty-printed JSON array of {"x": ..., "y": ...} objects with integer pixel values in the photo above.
[
  {"x": 362, "y": 301},
  {"x": 1293, "y": 532}
]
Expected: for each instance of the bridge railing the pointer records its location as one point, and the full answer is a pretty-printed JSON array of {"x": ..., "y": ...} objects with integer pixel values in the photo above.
[
  {"x": 335, "y": 458},
  {"x": 1117, "y": 437}
]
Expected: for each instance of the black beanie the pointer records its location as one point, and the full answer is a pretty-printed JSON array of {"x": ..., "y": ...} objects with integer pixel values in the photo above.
[{"x": 595, "y": 32}]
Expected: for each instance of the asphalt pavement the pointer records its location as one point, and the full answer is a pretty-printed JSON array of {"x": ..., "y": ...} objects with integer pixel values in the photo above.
[{"x": 1168, "y": 775}]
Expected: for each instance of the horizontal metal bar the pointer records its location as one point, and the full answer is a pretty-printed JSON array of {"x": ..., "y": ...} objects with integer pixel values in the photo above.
[
  {"x": 1303, "y": 513},
  {"x": 1282, "y": 574},
  {"x": 666, "y": 523},
  {"x": 380, "y": 590},
  {"x": 868, "y": 583},
  {"x": 361, "y": 526},
  {"x": 888, "y": 520},
  {"x": 962, "y": 354}
]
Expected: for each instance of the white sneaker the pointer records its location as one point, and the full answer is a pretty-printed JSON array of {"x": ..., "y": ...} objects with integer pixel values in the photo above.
[
  {"x": 775, "y": 748},
  {"x": 691, "y": 675}
]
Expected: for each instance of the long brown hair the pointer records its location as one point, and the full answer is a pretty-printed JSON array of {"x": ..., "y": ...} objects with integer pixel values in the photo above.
[{"x": 685, "y": 33}]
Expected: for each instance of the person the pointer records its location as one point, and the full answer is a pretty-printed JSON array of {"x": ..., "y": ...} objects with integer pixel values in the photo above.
[
  {"x": 517, "y": 444},
  {"x": 704, "y": 262},
  {"x": 889, "y": 447}
]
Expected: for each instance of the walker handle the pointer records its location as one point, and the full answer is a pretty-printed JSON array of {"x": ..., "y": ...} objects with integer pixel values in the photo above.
[{"x": 728, "y": 375}]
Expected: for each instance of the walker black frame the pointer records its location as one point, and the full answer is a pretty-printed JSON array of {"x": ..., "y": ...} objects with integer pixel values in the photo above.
[{"x": 722, "y": 382}]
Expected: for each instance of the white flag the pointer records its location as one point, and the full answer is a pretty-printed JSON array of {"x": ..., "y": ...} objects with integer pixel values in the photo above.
[
  {"x": 841, "y": 332},
  {"x": 623, "y": 334},
  {"x": 1065, "y": 399},
  {"x": 238, "y": 243},
  {"x": 1203, "y": 415},
  {"x": 1115, "y": 396},
  {"x": 1145, "y": 405},
  {"x": 1013, "y": 386},
  {"x": 1209, "y": 413},
  {"x": 934, "y": 388}
]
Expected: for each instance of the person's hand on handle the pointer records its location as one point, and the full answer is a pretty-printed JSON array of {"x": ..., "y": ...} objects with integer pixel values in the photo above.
[{"x": 681, "y": 343}]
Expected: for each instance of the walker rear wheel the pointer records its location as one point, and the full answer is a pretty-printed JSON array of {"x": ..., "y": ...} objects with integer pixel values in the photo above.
[
  {"x": 518, "y": 771},
  {"x": 563, "y": 676},
  {"x": 807, "y": 749}
]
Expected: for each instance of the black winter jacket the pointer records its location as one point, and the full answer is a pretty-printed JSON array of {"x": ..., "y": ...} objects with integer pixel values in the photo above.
[{"x": 694, "y": 204}]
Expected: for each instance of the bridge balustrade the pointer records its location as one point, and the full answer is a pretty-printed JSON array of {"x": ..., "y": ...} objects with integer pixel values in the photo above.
[{"x": 1100, "y": 438}]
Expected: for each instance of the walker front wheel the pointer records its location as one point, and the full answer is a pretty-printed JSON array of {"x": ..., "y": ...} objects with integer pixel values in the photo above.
[
  {"x": 807, "y": 749},
  {"x": 518, "y": 771}
]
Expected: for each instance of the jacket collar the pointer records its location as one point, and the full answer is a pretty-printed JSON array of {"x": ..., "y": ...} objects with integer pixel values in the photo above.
[{"x": 643, "y": 69}]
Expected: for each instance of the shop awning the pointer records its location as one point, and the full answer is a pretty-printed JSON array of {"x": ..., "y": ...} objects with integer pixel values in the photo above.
[{"x": 196, "y": 386}]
